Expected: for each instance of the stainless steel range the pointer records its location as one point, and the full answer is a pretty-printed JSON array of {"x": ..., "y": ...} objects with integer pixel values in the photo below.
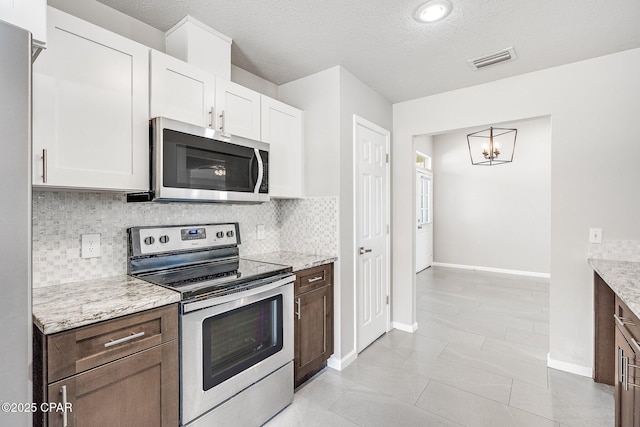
[{"x": 236, "y": 321}]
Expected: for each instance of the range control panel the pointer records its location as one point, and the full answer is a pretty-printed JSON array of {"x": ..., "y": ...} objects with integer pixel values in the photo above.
[{"x": 152, "y": 240}]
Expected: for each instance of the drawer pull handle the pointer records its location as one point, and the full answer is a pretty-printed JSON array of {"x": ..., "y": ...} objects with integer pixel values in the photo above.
[
  {"x": 44, "y": 166},
  {"x": 297, "y": 313},
  {"x": 65, "y": 420},
  {"x": 315, "y": 279},
  {"x": 622, "y": 320},
  {"x": 125, "y": 339}
]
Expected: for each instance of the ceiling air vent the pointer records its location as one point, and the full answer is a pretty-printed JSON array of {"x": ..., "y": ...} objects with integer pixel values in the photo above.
[{"x": 495, "y": 58}]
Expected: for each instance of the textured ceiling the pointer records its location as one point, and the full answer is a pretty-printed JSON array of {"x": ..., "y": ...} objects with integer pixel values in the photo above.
[{"x": 380, "y": 42}]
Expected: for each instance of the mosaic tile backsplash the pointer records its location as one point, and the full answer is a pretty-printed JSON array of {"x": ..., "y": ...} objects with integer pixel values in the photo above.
[
  {"x": 60, "y": 218},
  {"x": 615, "y": 250}
]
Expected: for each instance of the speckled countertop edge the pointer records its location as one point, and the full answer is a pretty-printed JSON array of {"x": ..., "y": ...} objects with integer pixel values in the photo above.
[
  {"x": 62, "y": 307},
  {"x": 299, "y": 261},
  {"x": 623, "y": 277}
]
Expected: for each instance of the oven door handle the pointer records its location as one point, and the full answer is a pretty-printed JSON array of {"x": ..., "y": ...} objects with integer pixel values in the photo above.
[{"x": 210, "y": 302}]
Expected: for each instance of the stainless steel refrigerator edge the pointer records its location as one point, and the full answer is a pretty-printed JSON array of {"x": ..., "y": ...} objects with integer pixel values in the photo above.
[{"x": 15, "y": 224}]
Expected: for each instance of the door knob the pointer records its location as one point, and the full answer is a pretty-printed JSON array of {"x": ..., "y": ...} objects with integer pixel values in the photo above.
[{"x": 363, "y": 250}]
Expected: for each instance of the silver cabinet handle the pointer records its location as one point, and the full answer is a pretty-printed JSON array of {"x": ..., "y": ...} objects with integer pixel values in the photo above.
[
  {"x": 222, "y": 120},
  {"x": 620, "y": 366},
  {"x": 362, "y": 250},
  {"x": 622, "y": 320},
  {"x": 625, "y": 372},
  {"x": 124, "y": 339},
  {"x": 297, "y": 313},
  {"x": 315, "y": 279},
  {"x": 44, "y": 165},
  {"x": 65, "y": 419},
  {"x": 212, "y": 117},
  {"x": 324, "y": 325}
]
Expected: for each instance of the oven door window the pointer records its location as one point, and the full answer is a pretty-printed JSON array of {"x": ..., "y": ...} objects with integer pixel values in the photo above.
[
  {"x": 238, "y": 339},
  {"x": 199, "y": 163}
]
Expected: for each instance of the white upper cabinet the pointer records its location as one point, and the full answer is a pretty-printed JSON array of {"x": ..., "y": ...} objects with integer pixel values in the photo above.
[
  {"x": 237, "y": 109},
  {"x": 282, "y": 129},
  {"x": 28, "y": 14},
  {"x": 180, "y": 91},
  {"x": 90, "y": 109}
]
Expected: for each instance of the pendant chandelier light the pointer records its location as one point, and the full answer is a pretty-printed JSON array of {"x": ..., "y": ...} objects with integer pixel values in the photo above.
[{"x": 493, "y": 146}]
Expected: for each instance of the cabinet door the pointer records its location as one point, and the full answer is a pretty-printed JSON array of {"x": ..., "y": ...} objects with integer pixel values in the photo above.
[
  {"x": 282, "y": 129},
  {"x": 313, "y": 332},
  {"x": 90, "y": 109},
  {"x": 180, "y": 91},
  {"x": 140, "y": 390},
  {"x": 28, "y": 14},
  {"x": 237, "y": 109},
  {"x": 627, "y": 398}
]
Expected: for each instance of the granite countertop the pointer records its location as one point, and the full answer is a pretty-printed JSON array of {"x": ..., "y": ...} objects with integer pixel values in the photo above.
[
  {"x": 296, "y": 260},
  {"x": 623, "y": 277},
  {"x": 61, "y": 307}
]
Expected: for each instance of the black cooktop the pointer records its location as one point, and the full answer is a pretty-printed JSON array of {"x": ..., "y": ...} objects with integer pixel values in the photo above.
[{"x": 214, "y": 278}]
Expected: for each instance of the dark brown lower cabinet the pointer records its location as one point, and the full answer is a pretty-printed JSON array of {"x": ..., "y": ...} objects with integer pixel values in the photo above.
[
  {"x": 313, "y": 327},
  {"x": 118, "y": 373}
]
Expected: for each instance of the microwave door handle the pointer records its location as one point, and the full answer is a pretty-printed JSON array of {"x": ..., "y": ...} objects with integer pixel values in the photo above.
[{"x": 260, "y": 176}]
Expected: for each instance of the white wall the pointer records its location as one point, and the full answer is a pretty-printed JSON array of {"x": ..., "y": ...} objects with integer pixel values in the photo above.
[
  {"x": 329, "y": 99},
  {"x": 423, "y": 144},
  {"x": 253, "y": 82},
  {"x": 494, "y": 217},
  {"x": 355, "y": 98},
  {"x": 318, "y": 95},
  {"x": 594, "y": 108}
]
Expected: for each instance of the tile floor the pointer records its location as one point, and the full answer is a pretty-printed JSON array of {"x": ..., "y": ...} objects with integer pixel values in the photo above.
[{"x": 478, "y": 358}]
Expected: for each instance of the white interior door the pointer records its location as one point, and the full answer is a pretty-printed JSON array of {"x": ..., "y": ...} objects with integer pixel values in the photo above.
[
  {"x": 424, "y": 220},
  {"x": 372, "y": 254}
]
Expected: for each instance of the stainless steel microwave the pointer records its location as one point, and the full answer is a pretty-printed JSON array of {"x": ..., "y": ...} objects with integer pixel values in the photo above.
[{"x": 197, "y": 164}]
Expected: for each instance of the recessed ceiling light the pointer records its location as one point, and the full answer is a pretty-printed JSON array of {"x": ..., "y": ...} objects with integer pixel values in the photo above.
[{"x": 433, "y": 11}]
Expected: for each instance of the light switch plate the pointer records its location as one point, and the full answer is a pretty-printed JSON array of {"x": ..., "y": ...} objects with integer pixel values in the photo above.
[
  {"x": 595, "y": 235},
  {"x": 90, "y": 246}
]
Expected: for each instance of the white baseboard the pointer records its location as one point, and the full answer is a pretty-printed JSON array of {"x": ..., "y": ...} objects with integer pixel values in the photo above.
[
  {"x": 340, "y": 364},
  {"x": 572, "y": 368},
  {"x": 493, "y": 270},
  {"x": 404, "y": 327}
]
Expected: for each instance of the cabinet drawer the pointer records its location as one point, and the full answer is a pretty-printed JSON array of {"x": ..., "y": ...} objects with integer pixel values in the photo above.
[
  {"x": 627, "y": 321},
  {"x": 84, "y": 348},
  {"x": 140, "y": 390},
  {"x": 313, "y": 278}
]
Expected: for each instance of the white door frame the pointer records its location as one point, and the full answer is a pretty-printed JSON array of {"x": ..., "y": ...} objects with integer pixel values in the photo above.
[{"x": 357, "y": 120}]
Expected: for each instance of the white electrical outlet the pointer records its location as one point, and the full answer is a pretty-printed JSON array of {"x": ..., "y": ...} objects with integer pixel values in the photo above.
[
  {"x": 260, "y": 232},
  {"x": 595, "y": 235},
  {"x": 90, "y": 247}
]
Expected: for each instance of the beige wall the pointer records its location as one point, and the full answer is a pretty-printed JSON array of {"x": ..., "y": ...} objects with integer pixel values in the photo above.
[{"x": 593, "y": 107}]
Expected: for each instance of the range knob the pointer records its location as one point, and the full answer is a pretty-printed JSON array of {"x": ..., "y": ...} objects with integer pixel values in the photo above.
[
  {"x": 230, "y": 233},
  {"x": 149, "y": 240},
  {"x": 220, "y": 234},
  {"x": 164, "y": 239}
]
